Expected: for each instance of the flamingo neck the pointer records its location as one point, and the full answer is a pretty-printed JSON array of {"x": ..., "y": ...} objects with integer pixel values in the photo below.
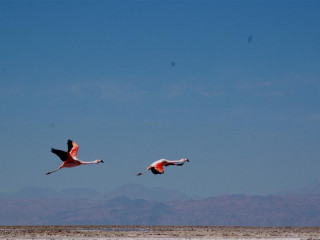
[
  {"x": 177, "y": 161},
  {"x": 90, "y": 162}
]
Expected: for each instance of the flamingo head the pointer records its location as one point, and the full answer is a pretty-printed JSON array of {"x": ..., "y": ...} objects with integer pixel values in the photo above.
[
  {"x": 99, "y": 161},
  {"x": 184, "y": 160}
]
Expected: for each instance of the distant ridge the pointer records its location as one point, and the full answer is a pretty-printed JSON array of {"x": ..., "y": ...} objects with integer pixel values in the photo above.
[
  {"x": 135, "y": 204},
  {"x": 227, "y": 210},
  {"x": 130, "y": 191},
  {"x": 138, "y": 191}
]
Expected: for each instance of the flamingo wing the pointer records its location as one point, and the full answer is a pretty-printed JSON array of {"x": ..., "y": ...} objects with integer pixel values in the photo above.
[
  {"x": 157, "y": 168},
  {"x": 63, "y": 155},
  {"x": 73, "y": 148}
]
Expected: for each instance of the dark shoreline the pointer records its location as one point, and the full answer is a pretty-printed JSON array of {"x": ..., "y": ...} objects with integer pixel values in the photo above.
[{"x": 140, "y": 231}]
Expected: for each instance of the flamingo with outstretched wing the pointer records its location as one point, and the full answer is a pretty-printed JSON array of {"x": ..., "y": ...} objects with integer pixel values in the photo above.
[
  {"x": 157, "y": 166},
  {"x": 70, "y": 158}
]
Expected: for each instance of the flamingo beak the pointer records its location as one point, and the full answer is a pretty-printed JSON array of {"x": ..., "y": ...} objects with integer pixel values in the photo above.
[
  {"x": 188, "y": 160},
  {"x": 102, "y": 161}
]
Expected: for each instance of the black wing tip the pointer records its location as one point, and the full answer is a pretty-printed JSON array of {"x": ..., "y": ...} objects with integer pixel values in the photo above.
[
  {"x": 55, "y": 151},
  {"x": 154, "y": 171},
  {"x": 70, "y": 145},
  {"x": 61, "y": 154}
]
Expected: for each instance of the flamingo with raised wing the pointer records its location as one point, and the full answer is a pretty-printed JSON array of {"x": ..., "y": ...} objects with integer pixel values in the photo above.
[
  {"x": 70, "y": 158},
  {"x": 157, "y": 166}
]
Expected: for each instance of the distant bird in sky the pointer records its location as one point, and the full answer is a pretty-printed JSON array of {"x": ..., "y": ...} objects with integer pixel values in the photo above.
[
  {"x": 250, "y": 39},
  {"x": 70, "y": 158},
  {"x": 157, "y": 166}
]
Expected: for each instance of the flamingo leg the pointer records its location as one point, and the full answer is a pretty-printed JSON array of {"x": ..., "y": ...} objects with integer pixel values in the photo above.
[
  {"x": 140, "y": 173},
  {"x": 53, "y": 171}
]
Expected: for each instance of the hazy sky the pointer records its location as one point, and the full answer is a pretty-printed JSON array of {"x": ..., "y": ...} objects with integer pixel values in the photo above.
[{"x": 232, "y": 85}]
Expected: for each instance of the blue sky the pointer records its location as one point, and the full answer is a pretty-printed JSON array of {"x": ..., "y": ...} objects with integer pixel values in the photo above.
[{"x": 232, "y": 85}]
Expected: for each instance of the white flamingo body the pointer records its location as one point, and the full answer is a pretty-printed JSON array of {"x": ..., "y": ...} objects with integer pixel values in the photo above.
[
  {"x": 157, "y": 166},
  {"x": 70, "y": 158}
]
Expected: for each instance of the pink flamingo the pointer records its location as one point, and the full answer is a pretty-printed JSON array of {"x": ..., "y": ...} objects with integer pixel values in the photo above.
[
  {"x": 70, "y": 158},
  {"x": 157, "y": 166}
]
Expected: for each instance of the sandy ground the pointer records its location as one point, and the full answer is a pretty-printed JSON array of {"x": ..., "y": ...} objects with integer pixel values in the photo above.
[{"x": 157, "y": 232}]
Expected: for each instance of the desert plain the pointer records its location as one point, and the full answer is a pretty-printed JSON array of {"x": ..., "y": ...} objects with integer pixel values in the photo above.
[{"x": 157, "y": 232}]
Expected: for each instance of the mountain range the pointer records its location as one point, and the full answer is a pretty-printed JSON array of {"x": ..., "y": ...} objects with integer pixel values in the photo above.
[{"x": 138, "y": 205}]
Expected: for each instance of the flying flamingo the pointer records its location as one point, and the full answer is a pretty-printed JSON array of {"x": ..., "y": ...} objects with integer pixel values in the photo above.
[
  {"x": 70, "y": 158},
  {"x": 157, "y": 166}
]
